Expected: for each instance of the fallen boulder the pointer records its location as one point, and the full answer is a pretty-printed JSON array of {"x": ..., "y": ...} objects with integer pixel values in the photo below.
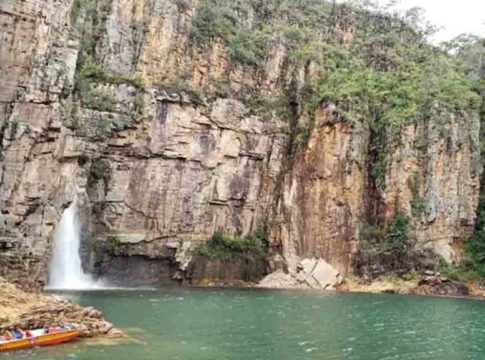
[
  {"x": 309, "y": 274},
  {"x": 279, "y": 280}
]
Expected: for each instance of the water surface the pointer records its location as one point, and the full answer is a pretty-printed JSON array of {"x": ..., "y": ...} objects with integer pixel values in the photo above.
[{"x": 216, "y": 324}]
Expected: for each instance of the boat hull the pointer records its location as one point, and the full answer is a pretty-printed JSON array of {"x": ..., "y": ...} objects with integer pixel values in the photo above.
[{"x": 42, "y": 340}]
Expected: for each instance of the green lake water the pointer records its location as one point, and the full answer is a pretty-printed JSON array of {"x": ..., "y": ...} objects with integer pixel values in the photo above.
[{"x": 216, "y": 324}]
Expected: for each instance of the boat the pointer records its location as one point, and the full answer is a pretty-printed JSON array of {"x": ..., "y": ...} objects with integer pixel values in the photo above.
[{"x": 40, "y": 338}]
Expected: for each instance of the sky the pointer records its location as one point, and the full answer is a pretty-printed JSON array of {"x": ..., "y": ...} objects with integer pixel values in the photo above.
[{"x": 455, "y": 16}]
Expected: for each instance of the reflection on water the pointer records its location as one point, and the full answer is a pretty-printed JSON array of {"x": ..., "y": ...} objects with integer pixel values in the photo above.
[{"x": 256, "y": 324}]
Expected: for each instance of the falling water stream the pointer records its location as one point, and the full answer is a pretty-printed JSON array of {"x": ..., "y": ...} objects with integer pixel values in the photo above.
[
  {"x": 220, "y": 324},
  {"x": 65, "y": 269}
]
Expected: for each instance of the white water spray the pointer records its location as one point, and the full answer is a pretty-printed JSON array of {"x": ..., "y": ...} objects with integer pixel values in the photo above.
[{"x": 65, "y": 270}]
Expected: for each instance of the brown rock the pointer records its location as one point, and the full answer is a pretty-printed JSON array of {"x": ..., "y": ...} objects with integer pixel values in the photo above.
[
  {"x": 161, "y": 167},
  {"x": 40, "y": 311}
]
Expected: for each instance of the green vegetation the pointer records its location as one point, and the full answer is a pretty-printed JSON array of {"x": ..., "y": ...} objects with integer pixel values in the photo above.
[
  {"x": 95, "y": 15},
  {"x": 220, "y": 89},
  {"x": 218, "y": 20},
  {"x": 179, "y": 85},
  {"x": 470, "y": 55},
  {"x": 226, "y": 247},
  {"x": 14, "y": 125},
  {"x": 99, "y": 171},
  {"x": 259, "y": 102},
  {"x": 116, "y": 247},
  {"x": 397, "y": 234},
  {"x": 472, "y": 267},
  {"x": 88, "y": 72},
  {"x": 417, "y": 204},
  {"x": 88, "y": 75},
  {"x": 386, "y": 247},
  {"x": 377, "y": 69},
  {"x": 77, "y": 6},
  {"x": 98, "y": 100}
]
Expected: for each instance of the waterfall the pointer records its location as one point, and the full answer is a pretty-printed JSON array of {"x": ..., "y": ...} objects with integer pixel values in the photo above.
[{"x": 65, "y": 270}]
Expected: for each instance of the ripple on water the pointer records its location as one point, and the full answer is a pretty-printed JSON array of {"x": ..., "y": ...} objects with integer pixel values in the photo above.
[{"x": 200, "y": 324}]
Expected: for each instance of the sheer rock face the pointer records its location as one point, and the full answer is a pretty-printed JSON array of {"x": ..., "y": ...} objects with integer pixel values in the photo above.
[
  {"x": 158, "y": 169},
  {"x": 195, "y": 171},
  {"x": 146, "y": 36},
  {"x": 327, "y": 195},
  {"x": 438, "y": 185},
  {"x": 323, "y": 194},
  {"x": 169, "y": 170},
  {"x": 37, "y": 60}
]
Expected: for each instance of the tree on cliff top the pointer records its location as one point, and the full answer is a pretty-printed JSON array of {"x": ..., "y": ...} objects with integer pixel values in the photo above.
[
  {"x": 469, "y": 52},
  {"x": 377, "y": 67}
]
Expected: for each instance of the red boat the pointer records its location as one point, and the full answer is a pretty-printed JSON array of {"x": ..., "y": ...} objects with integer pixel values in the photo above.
[{"x": 40, "y": 338}]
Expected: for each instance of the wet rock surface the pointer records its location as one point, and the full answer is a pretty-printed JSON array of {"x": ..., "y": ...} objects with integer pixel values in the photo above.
[
  {"x": 238, "y": 271},
  {"x": 426, "y": 283},
  {"x": 436, "y": 284}
]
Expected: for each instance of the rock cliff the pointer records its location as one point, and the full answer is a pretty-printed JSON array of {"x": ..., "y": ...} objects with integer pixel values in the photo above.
[{"x": 169, "y": 134}]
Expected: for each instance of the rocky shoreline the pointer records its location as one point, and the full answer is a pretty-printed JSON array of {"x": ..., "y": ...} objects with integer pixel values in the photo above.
[
  {"x": 318, "y": 275},
  {"x": 427, "y": 284},
  {"x": 32, "y": 310},
  {"x": 36, "y": 310}
]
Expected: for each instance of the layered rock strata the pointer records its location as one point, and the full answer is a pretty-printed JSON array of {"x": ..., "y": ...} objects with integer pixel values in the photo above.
[{"x": 90, "y": 106}]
